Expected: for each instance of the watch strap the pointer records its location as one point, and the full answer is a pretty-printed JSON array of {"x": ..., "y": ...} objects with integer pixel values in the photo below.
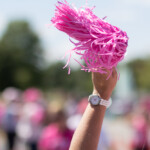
[{"x": 106, "y": 103}]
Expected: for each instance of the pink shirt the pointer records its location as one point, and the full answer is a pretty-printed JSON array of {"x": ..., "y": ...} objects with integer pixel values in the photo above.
[{"x": 54, "y": 139}]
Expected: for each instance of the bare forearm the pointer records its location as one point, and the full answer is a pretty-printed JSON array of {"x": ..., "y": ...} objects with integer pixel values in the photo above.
[{"x": 87, "y": 134}]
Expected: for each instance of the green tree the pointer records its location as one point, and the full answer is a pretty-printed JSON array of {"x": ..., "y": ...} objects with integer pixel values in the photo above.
[
  {"x": 83, "y": 83},
  {"x": 56, "y": 77},
  {"x": 21, "y": 56},
  {"x": 141, "y": 72},
  {"x": 78, "y": 82}
]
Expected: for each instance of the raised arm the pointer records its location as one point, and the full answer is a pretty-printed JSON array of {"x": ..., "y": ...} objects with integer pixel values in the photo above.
[{"x": 87, "y": 134}]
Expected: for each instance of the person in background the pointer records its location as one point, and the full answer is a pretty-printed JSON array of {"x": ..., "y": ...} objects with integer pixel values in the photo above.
[
  {"x": 140, "y": 126},
  {"x": 73, "y": 120},
  {"x": 2, "y": 112},
  {"x": 12, "y": 96},
  {"x": 30, "y": 123},
  {"x": 56, "y": 136}
]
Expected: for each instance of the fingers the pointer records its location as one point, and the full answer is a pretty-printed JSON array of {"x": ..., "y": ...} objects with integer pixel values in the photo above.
[
  {"x": 105, "y": 76},
  {"x": 104, "y": 83}
]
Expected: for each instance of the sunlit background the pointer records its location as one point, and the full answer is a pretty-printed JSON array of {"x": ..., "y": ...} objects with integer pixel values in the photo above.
[{"x": 41, "y": 105}]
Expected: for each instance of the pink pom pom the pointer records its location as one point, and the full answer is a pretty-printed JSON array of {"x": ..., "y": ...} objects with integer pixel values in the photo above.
[{"x": 100, "y": 44}]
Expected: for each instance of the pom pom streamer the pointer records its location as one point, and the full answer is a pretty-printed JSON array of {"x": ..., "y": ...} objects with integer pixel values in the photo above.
[{"x": 101, "y": 45}]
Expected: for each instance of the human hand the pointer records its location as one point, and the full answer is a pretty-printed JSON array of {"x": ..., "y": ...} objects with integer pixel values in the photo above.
[{"x": 104, "y": 87}]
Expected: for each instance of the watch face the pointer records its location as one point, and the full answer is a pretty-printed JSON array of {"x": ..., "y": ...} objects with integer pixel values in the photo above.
[{"x": 94, "y": 100}]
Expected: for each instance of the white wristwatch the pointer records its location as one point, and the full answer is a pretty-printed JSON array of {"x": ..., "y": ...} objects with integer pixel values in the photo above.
[{"x": 96, "y": 100}]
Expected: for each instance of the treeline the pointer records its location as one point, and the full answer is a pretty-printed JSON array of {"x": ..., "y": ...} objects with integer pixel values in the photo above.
[
  {"x": 22, "y": 64},
  {"x": 141, "y": 73}
]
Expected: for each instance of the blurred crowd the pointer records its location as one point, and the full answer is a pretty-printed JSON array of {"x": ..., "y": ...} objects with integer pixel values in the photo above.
[{"x": 29, "y": 121}]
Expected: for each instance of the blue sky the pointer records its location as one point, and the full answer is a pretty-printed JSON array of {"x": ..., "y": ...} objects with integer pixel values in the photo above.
[{"x": 131, "y": 16}]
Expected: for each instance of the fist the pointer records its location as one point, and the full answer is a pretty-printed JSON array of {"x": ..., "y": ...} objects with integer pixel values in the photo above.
[{"x": 102, "y": 86}]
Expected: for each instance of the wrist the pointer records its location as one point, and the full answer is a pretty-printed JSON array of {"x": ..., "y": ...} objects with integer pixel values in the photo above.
[{"x": 104, "y": 95}]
